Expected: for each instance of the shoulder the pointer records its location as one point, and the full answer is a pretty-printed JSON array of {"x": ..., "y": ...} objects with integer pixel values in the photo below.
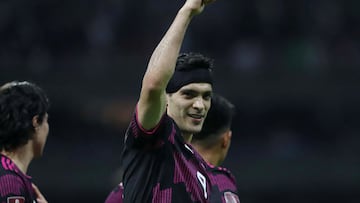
[
  {"x": 12, "y": 181},
  {"x": 221, "y": 171},
  {"x": 163, "y": 134},
  {"x": 116, "y": 195},
  {"x": 11, "y": 184},
  {"x": 136, "y": 129}
]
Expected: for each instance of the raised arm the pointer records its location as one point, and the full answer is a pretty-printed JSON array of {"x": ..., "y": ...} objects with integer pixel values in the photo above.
[{"x": 152, "y": 103}]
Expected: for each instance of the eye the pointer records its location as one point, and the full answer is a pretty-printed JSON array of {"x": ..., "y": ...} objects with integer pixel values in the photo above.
[
  {"x": 207, "y": 96},
  {"x": 189, "y": 94}
]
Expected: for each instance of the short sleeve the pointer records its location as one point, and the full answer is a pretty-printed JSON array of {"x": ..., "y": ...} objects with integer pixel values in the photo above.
[{"x": 137, "y": 136}]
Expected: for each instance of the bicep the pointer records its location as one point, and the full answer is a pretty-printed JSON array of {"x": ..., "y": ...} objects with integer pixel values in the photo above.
[{"x": 150, "y": 108}]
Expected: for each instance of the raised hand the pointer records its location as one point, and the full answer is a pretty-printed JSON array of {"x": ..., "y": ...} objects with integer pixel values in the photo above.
[
  {"x": 197, "y": 6},
  {"x": 39, "y": 197}
]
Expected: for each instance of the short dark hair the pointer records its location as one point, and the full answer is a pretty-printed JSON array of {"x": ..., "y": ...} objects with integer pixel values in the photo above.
[
  {"x": 19, "y": 103},
  {"x": 190, "y": 67},
  {"x": 193, "y": 60},
  {"x": 218, "y": 120}
]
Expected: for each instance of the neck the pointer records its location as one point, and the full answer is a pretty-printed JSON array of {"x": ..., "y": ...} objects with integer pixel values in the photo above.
[
  {"x": 209, "y": 155},
  {"x": 187, "y": 137},
  {"x": 20, "y": 156}
]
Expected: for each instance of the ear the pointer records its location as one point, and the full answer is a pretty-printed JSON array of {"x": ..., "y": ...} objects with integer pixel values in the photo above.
[
  {"x": 226, "y": 138},
  {"x": 35, "y": 122}
]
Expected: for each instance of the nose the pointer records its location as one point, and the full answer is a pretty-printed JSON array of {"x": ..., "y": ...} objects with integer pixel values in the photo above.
[{"x": 199, "y": 104}]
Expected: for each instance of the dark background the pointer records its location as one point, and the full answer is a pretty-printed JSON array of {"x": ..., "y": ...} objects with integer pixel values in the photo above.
[{"x": 290, "y": 67}]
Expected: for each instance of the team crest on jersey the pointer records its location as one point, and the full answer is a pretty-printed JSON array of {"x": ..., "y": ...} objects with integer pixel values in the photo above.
[
  {"x": 16, "y": 199},
  {"x": 231, "y": 197}
]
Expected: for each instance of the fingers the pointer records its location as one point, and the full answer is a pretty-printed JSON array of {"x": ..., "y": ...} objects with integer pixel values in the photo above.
[
  {"x": 41, "y": 200},
  {"x": 39, "y": 197},
  {"x": 36, "y": 189}
]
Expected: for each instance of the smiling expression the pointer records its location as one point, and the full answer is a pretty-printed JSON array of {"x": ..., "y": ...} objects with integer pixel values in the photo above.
[{"x": 189, "y": 106}]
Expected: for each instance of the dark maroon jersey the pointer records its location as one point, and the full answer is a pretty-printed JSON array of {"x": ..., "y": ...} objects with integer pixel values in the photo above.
[
  {"x": 223, "y": 185},
  {"x": 160, "y": 167},
  {"x": 15, "y": 187},
  {"x": 116, "y": 195}
]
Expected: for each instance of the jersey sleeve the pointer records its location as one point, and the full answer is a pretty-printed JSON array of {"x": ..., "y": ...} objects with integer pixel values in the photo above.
[{"x": 137, "y": 136}]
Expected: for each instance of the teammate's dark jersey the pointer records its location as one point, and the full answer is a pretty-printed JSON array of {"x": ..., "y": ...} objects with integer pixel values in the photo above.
[
  {"x": 223, "y": 185},
  {"x": 160, "y": 167},
  {"x": 15, "y": 187},
  {"x": 116, "y": 195}
]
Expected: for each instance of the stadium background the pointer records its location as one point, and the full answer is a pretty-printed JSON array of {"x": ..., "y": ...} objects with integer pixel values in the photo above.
[{"x": 291, "y": 68}]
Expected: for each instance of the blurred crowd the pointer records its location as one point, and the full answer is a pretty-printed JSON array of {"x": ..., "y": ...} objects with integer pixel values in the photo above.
[{"x": 290, "y": 67}]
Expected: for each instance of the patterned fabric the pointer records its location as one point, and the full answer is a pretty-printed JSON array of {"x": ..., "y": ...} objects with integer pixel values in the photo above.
[
  {"x": 223, "y": 185},
  {"x": 116, "y": 195},
  {"x": 14, "y": 185},
  {"x": 160, "y": 167}
]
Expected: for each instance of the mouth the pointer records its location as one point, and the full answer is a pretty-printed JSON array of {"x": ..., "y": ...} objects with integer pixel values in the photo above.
[{"x": 196, "y": 117}]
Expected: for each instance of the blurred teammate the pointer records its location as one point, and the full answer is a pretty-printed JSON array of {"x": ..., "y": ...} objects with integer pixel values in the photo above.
[
  {"x": 213, "y": 143},
  {"x": 158, "y": 164},
  {"x": 23, "y": 132}
]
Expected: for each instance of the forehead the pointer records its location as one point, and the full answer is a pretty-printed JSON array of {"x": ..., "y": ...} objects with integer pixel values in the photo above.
[{"x": 197, "y": 87}]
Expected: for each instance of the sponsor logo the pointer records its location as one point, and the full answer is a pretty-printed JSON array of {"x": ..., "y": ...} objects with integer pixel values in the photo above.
[{"x": 16, "y": 199}]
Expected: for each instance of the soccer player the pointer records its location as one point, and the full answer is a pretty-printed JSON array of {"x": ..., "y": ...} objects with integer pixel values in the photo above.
[
  {"x": 158, "y": 164},
  {"x": 213, "y": 143},
  {"x": 23, "y": 132}
]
